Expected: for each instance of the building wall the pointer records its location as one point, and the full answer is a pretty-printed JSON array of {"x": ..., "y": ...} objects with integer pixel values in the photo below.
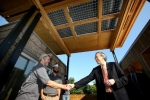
[
  {"x": 134, "y": 55},
  {"x": 34, "y": 47},
  {"x": 28, "y": 58}
]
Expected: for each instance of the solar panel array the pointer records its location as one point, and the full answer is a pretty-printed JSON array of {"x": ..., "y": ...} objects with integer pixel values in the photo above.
[{"x": 86, "y": 11}]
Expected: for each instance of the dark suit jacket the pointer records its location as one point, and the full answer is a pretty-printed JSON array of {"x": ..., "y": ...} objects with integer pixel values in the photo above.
[
  {"x": 114, "y": 72},
  {"x": 144, "y": 84}
]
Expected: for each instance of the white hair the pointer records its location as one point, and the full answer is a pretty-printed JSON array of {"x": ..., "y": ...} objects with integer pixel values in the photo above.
[{"x": 103, "y": 55}]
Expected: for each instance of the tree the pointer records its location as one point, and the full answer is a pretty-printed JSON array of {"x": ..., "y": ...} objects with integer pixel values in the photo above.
[
  {"x": 79, "y": 91},
  {"x": 71, "y": 80},
  {"x": 93, "y": 88},
  {"x": 73, "y": 91},
  {"x": 87, "y": 89}
]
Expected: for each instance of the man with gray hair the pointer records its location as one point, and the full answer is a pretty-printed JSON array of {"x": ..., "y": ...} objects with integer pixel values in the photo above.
[
  {"x": 33, "y": 83},
  {"x": 110, "y": 79},
  {"x": 49, "y": 93}
]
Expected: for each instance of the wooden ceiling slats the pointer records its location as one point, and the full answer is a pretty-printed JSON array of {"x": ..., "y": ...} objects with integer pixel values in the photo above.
[{"x": 108, "y": 39}]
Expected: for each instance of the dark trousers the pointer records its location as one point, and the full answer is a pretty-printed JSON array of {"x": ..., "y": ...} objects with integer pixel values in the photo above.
[{"x": 109, "y": 96}]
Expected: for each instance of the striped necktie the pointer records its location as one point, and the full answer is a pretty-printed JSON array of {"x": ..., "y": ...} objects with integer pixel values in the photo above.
[{"x": 105, "y": 76}]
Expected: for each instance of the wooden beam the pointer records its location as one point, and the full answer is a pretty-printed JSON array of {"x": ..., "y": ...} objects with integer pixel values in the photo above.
[
  {"x": 127, "y": 17},
  {"x": 77, "y": 23},
  {"x": 45, "y": 25},
  {"x": 85, "y": 21},
  {"x": 63, "y": 4},
  {"x": 99, "y": 21},
  {"x": 11, "y": 19},
  {"x": 139, "y": 4},
  {"x": 109, "y": 16},
  {"x": 71, "y": 26},
  {"x": 51, "y": 26},
  {"x": 24, "y": 5},
  {"x": 123, "y": 14}
]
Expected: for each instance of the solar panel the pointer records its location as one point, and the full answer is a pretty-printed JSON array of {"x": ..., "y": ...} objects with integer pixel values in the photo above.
[
  {"x": 109, "y": 24},
  {"x": 83, "y": 11},
  {"x": 86, "y": 28},
  {"x": 58, "y": 17},
  {"x": 65, "y": 32}
]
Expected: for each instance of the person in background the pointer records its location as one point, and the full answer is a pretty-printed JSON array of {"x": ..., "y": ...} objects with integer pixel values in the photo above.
[
  {"x": 31, "y": 87},
  {"x": 110, "y": 79},
  {"x": 139, "y": 84},
  {"x": 66, "y": 93},
  {"x": 49, "y": 93}
]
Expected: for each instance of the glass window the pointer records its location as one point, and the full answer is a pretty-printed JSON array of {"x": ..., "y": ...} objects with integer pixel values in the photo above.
[
  {"x": 30, "y": 65},
  {"x": 21, "y": 63},
  {"x": 22, "y": 67}
]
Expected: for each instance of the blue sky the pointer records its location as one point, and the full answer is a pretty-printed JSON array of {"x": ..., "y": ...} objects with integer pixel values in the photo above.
[{"x": 81, "y": 64}]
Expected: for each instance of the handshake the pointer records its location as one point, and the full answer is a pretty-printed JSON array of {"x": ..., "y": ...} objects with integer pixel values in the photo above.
[{"x": 68, "y": 86}]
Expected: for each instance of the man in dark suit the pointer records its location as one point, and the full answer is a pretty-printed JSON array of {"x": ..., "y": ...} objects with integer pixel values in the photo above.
[
  {"x": 110, "y": 79},
  {"x": 139, "y": 84}
]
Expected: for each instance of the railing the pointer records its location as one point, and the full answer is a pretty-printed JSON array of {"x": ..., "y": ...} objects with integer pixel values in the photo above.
[{"x": 83, "y": 97}]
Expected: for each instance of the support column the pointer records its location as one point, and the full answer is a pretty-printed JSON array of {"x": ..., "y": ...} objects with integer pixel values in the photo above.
[
  {"x": 9, "y": 65},
  {"x": 12, "y": 36},
  {"x": 67, "y": 74},
  {"x": 115, "y": 56}
]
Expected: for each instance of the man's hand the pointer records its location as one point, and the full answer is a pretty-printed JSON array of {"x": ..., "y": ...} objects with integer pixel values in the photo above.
[
  {"x": 110, "y": 82},
  {"x": 68, "y": 87},
  {"x": 71, "y": 85},
  {"x": 42, "y": 97}
]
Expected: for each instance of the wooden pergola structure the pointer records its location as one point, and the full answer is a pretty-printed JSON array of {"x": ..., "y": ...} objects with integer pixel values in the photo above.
[{"x": 69, "y": 26}]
